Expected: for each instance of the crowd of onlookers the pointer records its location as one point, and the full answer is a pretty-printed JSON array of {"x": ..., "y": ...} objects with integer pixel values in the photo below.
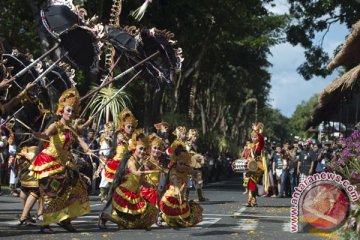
[{"x": 290, "y": 163}]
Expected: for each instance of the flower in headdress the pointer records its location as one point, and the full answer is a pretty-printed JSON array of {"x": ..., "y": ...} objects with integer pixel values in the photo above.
[{"x": 70, "y": 97}]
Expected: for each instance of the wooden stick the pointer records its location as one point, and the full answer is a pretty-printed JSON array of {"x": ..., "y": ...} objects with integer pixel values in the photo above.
[
  {"x": 23, "y": 71},
  {"x": 26, "y": 126},
  {"x": 22, "y": 107}
]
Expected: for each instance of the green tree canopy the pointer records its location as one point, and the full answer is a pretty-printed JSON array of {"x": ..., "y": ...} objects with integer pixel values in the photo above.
[
  {"x": 302, "y": 115},
  {"x": 310, "y": 18}
]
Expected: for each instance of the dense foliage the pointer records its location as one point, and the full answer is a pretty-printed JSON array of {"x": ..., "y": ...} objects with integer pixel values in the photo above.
[{"x": 314, "y": 18}]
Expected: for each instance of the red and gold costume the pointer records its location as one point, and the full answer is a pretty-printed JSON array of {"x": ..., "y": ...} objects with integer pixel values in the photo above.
[
  {"x": 125, "y": 117},
  {"x": 63, "y": 192},
  {"x": 257, "y": 164},
  {"x": 129, "y": 209},
  {"x": 152, "y": 164},
  {"x": 29, "y": 184},
  {"x": 176, "y": 210}
]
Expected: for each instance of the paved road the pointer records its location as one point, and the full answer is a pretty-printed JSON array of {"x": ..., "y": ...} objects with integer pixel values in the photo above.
[{"x": 225, "y": 217}]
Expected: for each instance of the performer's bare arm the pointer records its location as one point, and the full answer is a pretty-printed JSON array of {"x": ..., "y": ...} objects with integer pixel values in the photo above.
[
  {"x": 132, "y": 168},
  {"x": 298, "y": 167},
  {"x": 84, "y": 145},
  {"x": 79, "y": 127},
  {"x": 50, "y": 131},
  {"x": 15, "y": 100}
]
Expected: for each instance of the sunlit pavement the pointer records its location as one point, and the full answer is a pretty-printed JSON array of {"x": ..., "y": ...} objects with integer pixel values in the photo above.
[{"x": 225, "y": 217}]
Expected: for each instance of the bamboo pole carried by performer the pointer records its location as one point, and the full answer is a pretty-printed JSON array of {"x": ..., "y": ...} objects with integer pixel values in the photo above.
[
  {"x": 12, "y": 116},
  {"x": 114, "y": 79},
  {"x": 26, "y": 69},
  {"x": 49, "y": 69}
]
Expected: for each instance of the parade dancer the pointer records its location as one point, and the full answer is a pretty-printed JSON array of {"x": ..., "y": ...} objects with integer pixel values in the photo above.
[
  {"x": 127, "y": 123},
  {"x": 129, "y": 209},
  {"x": 256, "y": 165},
  {"x": 180, "y": 133},
  {"x": 153, "y": 163},
  {"x": 61, "y": 186},
  {"x": 29, "y": 185},
  {"x": 163, "y": 132},
  {"x": 197, "y": 162},
  {"x": 176, "y": 210}
]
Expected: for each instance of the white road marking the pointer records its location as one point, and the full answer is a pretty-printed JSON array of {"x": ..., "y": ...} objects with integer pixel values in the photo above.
[
  {"x": 218, "y": 215},
  {"x": 286, "y": 227},
  {"x": 98, "y": 204},
  {"x": 207, "y": 222},
  {"x": 264, "y": 216},
  {"x": 238, "y": 212},
  {"x": 247, "y": 225}
]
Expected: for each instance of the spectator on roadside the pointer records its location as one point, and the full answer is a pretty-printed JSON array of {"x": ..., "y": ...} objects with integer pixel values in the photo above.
[
  {"x": 323, "y": 158},
  {"x": 285, "y": 173},
  {"x": 304, "y": 164},
  {"x": 314, "y": 154},
  {"x": 292, "y": 167},
  {"x": 277, "y": 167}
]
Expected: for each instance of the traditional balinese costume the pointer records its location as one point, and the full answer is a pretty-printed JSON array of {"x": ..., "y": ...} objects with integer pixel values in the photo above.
[
  {"x": 29, "y": 185},
  {"x": 63, "y": 191},
  {"x": 129, "y": 209},
  {"x": 125, "y": 117},
  {"x": 151, "y": 194},
  {"x": 257, "y": 165},
  {"x": 176, "y": 210}
]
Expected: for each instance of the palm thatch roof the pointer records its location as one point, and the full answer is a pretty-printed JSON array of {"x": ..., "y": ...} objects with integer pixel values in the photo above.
[
  {"x": 340, "y": 86},
  {"x": 348, "y": 55},
  {"x": 333, "y": 95}
]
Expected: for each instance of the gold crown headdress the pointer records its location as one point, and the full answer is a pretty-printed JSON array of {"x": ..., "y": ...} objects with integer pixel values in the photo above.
[
  {"x": 176, "y": 151},
  {"x": 108, "y": 126},
  {"x": 258, "y": 127},
  {"x": 178, "y": 130},
  {"x": 138, "y": 138},
  {"x": 192, "y": 133},
  {"x": 126, "y": 117},
  {"x": 70, "y": 97},
  {"x": 155, "y": 140},
  {"x": 254, "y": 134}
]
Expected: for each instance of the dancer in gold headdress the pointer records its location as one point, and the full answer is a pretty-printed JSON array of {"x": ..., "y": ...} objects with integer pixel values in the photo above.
[
  {"x": 176, "y": 210},
  {"x": 257, "y": 165},
  {"x": 152, "y": 164},
  {"x": 129, "y": 209},
  {"x": 61, "y": 186},
  {"x": 126, "y": 126}
]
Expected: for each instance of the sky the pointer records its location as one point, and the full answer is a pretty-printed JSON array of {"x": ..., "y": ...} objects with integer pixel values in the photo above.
[{"x": 288, "y": 88}]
